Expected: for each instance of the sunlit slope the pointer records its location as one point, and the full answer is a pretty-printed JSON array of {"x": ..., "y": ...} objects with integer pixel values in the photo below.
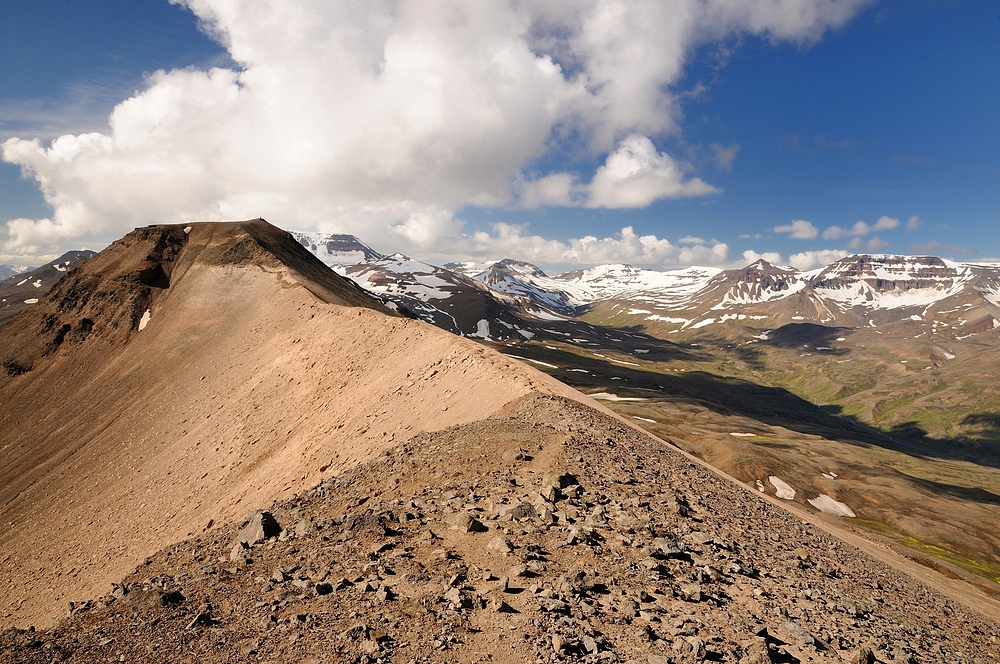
[{"x": 188, "y": 375}]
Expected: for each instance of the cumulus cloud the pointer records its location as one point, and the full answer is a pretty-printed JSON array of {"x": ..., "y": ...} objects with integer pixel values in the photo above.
[
  {"x": 861, "y": 229},
  {"x": 751, "y": 256},
  {"x": 624, "y": 247},
  {"x": 873, "y": 244},
  {"x": 810, "y": 260},
  {"x": 913, "y": 223},
  {"x": 384, "y": 118},
  {"x": 635, "y": 175},
  {"x": 799, "y": 229}
]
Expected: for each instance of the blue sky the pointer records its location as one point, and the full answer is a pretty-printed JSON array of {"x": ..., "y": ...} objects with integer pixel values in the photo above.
[{"x": 888, "y": 114}]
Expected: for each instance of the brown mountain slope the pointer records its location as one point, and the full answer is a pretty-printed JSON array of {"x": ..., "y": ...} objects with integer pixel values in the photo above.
[
  {"x": 549, "y": 532},
  {"x": 249, "y": 380}
]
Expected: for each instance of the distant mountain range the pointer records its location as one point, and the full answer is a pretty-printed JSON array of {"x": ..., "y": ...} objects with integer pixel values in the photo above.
[
  {"x": 7, "y": 271},
  {"x": 23, "y": 288},
  {"x": 504, "y": 299}
]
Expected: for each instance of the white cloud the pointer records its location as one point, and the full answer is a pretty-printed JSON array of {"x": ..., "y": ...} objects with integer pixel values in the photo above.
[
  {"x": 384, "y": 118},
  {"x": 873, "y": 244},
  {"x": 885, "y": 223},
  {"x": 861, "y": 229},
  {"x": 799, "y": 229},
  {"x": 913, "y": 223},
  {"x": 751, "y": 256},
  {"x": 810, "y": 260},
  {"x": 624, "y": 247},
  {"x": 635, "y": 175},
  {"x": 556, "y": 189}
]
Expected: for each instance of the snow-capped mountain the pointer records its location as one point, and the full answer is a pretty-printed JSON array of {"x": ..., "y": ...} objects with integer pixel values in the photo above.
[
  {"x": 336, "y": 249},
  {"x": 437, "y": 295},
  {"x": 605, "y": 282},
  {"x": 525, "y": 281},
  {"x": 27, "y": 287},
  {"x": 7, "y": 271},
  {"x": 856, "y": 291},
  {"x": 514, "y": 299}
]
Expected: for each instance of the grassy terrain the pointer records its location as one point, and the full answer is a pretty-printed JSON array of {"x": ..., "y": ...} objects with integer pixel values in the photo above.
[{"x": 894, "y": 442}]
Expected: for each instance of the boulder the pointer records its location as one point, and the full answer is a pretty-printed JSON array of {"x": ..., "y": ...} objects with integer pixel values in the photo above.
[
  {"x": 262, "y": 527},
  {"x": 466, "y": 523}
]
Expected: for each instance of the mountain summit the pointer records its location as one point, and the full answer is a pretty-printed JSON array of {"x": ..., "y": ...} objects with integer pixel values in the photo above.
[{"x": 189, "y": 373}]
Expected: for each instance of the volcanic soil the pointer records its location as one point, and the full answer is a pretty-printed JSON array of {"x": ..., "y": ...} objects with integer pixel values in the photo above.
[{"x": 257, "y": 373}]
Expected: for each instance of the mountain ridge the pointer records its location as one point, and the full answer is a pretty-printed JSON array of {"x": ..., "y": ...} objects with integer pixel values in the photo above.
[{"x": 209, "y": 378}]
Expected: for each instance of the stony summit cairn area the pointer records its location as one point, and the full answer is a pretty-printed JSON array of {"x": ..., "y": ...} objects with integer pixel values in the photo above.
[{"x": 549, "y": 533}]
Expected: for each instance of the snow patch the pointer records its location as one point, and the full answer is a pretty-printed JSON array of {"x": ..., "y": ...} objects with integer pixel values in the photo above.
[
  {"x": 33, "y": 300},
  {"x": 482, "y": 329},
  {"x": 607, "y": 396},
  {"x": 740, "y": 434},
  {"x": 667, "y": 319},
  {"x": 825, "y": 503},
  {"x": 644, "y": 419},
  {"x": 144, "y": 321},
  {"x": 781, "y": 488},
  {"x": 528, "y": 359}
]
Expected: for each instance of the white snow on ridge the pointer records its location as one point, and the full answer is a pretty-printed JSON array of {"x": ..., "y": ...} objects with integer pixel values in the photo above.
[
  {"x": 605, "y": 282},
  {"x": 758, "y": 295},
  {"x": 144, "y": 321}
]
